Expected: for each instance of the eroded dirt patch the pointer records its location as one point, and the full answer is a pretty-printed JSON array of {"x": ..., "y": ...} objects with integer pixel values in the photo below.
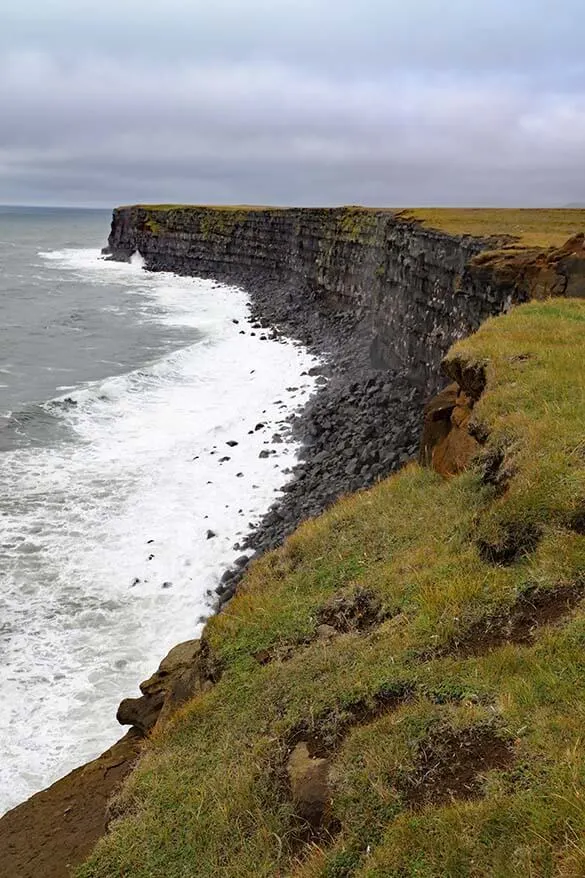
[
  {"x": 519, "y": 539},
  {"x": 452, "y": 765},
  {"x": 323, "y": 735},
  {"x": 357, "y": 610},
  {"x": 577, "y": 522},
  {"x": 534, "y": 609}
]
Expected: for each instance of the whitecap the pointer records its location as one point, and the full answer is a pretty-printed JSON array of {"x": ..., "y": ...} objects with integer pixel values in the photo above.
[{"x": 92, "y": 528}]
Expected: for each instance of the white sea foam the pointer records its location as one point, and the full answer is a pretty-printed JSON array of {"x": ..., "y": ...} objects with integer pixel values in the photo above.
[{"x": 93, "y": 530}]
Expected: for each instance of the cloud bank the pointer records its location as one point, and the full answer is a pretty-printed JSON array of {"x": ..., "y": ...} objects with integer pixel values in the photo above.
[{"x": 282, "y": 103}]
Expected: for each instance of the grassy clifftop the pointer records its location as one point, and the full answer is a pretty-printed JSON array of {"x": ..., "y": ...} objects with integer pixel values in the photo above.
[
  {"x": 530, "y": 228},
  {"x": 421, "y": 647}
]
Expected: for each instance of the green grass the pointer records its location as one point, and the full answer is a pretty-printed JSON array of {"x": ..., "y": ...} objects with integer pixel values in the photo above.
[
  {"x": 208, "y": 797},
  {"x": 532, "y": 227}
]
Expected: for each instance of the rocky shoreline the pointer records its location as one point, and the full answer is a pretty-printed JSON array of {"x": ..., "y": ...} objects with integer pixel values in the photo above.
[{"x": 361, "y": 425}]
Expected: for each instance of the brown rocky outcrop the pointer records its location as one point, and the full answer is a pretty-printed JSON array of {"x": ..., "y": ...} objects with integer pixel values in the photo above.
[
  {"x": 184, "y": 672},
  {"x": 56, "y": 829},
  {"x": 535, "y": 274},
  {"x": 447, "y": 444}
]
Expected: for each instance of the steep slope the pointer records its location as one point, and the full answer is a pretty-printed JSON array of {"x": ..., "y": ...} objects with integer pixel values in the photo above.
[{"x": 400, "y": 689}]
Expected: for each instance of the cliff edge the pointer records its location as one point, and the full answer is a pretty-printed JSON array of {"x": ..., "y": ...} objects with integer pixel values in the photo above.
[
  {"x": 413, "y": 282},
  {"x": 397, "y": 690}
]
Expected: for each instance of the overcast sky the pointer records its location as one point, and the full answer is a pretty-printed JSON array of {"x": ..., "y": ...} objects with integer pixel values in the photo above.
[{"x": 417, "y": 102}]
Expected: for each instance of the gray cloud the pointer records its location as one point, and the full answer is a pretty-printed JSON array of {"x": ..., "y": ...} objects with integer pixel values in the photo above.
[{"x": 304, "y": 102}]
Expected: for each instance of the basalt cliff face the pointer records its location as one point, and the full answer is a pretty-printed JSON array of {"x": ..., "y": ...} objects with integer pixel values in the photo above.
[{"x": 413, "y": 289}]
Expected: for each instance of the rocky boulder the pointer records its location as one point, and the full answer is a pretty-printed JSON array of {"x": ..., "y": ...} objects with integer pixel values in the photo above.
[{"x": 184, "y": 672}]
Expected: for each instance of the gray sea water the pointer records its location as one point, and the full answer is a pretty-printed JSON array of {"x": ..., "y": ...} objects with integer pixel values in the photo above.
[
  {"x": 55, "y": 333},
  {"x": 119, "y": 390}
]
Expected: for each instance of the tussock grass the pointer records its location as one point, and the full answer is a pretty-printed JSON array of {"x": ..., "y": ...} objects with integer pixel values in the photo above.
[{"x": 209, "y": 797}]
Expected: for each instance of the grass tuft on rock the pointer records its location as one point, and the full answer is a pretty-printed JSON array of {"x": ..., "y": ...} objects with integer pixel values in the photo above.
[{"x": 444, "y": 760}]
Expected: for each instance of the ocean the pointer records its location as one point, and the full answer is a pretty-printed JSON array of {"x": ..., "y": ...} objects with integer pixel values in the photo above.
[{"x": 119, "y": 391}]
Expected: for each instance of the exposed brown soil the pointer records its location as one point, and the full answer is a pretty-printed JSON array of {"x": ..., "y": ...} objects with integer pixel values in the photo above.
[
  {"x": 520, "y": 539},
  {"x": 56, "y": 829},
  {"x": 452, "y": 764},
  {"x": 577, "y": 523},
  {"x": 324, "y": 734},
  {"x": 357, "y": 610},
  {"x": 533, "y": 610}
]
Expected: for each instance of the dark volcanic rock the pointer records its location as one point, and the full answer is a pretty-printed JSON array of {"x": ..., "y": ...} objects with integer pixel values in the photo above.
[{"x": 376, "y": 297}]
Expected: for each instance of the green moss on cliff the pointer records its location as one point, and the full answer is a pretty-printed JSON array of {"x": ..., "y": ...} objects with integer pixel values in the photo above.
[
  {"x": 452, "y": 714},
  {"x": 358, "y": 225}
]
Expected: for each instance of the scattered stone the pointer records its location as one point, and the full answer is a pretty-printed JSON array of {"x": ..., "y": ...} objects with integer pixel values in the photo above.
[
  {"x": 264, "y": 454},
  {"x": 224, "y": 459},
  {"x": 211, "y": 534},
  {"x": 167, "y": 585},
  {"x": 150, "y": 557},
  {"x": 232, "y": 443}
]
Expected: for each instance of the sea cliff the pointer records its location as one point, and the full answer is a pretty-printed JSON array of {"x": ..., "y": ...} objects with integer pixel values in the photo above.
[
  {"x": 413, "y": 289},
  {"x": 388, "y": 692}
]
